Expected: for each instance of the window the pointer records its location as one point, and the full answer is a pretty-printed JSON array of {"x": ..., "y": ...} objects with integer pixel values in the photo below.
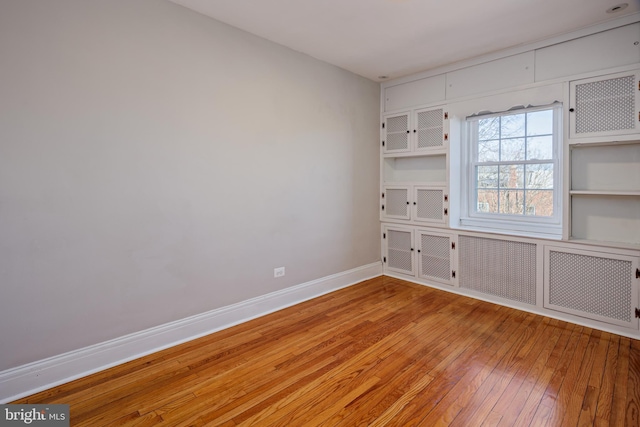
[{"x": 513, "y": 170}]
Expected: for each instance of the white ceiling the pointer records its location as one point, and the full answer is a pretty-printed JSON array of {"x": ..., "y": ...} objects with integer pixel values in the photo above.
[{"x": 401, "y": 37}]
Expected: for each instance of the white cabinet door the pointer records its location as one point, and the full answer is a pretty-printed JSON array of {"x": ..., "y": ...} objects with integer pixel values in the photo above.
[
  {"x": 597, "y": 285},
  {"x": 435, "y": 253},
  {"x": 605, "y": 106},
  {"x": 399, "y": 250},
  {"x": 430, "y": 130},
  {"x": 424, "y": 130},
  {"x": 430, "y": 204},
  {"x": 396, "y": 133},
  {"x": 395, "y": 202}
]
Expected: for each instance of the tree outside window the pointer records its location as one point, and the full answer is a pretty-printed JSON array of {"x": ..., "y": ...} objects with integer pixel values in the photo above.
[{"x": 513, "y": 164}]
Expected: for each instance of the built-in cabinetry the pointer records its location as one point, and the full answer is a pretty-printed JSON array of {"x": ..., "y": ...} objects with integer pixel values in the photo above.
[
  {"x": 605, "y": 192},
  {"x": 597, "y": 284},
  {"x": 422, "y": 253},
  {"x": 605, "y": 108},
  {"x": 422, "y": 130},
  {"x": 592, "y": 274},
  {"x": 414, "y": 167},
  {"x": 604, "y": 159}
]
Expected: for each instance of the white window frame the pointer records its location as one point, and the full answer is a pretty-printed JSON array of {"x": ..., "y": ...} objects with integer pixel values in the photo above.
[{"x": 511, "y": 223}]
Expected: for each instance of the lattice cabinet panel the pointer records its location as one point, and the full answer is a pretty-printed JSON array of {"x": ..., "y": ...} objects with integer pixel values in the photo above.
[
  {"x": 605, "y": 106},
  {"x": 416, "y": 131},
  {"x": 596, "y": 285},
  {"x": 430, "y": 204},
  {"x": 399, "y": 250},
  {"x": 435, "y": 252},
  {"x": 395, "y": 202},
  {"x": 503, "y": 268},
  {"x": 396, "y": 133},
  {"x": 429, "y": 129}
]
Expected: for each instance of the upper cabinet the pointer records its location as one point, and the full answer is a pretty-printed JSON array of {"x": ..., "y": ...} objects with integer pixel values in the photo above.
[
  {"x": 417, "y": 131},
  {"x": 605, "y": 108}
]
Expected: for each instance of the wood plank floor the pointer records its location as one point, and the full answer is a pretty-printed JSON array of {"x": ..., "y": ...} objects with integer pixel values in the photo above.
[{"x": 383, "y": 352}]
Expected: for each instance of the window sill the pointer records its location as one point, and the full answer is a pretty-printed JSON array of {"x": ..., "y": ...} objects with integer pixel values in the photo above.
[{"x": 547, "y": 232}]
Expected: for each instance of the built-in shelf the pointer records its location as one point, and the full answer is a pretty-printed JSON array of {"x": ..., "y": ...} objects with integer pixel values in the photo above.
[
  {"x": 606, "y": 243},
  {"x": 433, "y": 152},
  {"x": 425, "y": 170},
  {"x": 604, "y": 193}
]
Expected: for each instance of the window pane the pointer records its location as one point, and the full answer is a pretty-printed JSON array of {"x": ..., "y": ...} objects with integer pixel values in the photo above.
[
  {"x": 539, "y": 176},
  {"x": 539, "y": 203},
  {"x": 487, "y": 176},
  {"x": 487, "y": 201},
  {"x": 540, "y": 148},
  {"x": 512, "y": 176},
  {"x": 540, "y": 123},
  {"x": 512, "y": 126},
  {"x": 489, "y": 128},
  {"x": 512, "y": 201},
  {"x": 512, "y": 149},
  {"x": 488, "y": 151}
]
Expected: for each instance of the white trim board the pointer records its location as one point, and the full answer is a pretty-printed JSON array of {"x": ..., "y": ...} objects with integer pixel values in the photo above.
[{"x": 43, "y": 374}]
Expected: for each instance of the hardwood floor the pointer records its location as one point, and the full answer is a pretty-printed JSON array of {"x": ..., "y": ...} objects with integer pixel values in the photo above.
[{"x": 383, "y": 352}]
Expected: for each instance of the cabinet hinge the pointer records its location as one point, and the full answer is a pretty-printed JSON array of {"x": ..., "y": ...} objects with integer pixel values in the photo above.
[
  {"x": 384, "y": 259},
  {"x": 384, "y": 235},
  {"x": 383, "y": 195},
  {"x": 446, "y": 136},
  {"x": 382, "y": 207},
  {"x": 446, "y": 115},
  {"x": 383, "y": 143},
  {"x": 637, "y": 313},
  {"x": 453, "y": 245},
  {"x": 446, "y": 197},
  {"x": 637, "y": 273},
  {"x": 382, "y": 125},
  {"x": 446, "y": 211},
  {"x": 453, "y": 274}
]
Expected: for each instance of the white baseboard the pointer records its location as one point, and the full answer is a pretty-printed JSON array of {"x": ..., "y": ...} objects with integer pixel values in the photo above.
[{"x": 43, "y": 374}]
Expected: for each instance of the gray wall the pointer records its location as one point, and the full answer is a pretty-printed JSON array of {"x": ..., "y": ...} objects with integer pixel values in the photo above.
[{"x": 156, "y": 164}]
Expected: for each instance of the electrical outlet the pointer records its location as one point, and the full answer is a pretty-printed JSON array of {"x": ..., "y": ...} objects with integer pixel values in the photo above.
[{"x": 278, "y": 272}]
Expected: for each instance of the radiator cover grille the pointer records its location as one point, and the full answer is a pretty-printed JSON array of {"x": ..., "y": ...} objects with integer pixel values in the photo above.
[
  {"x": 591, "y": 284},
  {"x": 503, "y": 268}
]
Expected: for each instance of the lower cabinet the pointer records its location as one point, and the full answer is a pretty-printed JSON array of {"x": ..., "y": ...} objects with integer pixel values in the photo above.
[
  {"x": 435, "y": 256},
  {"x": 398, "y": 247},
  {"x": 596, "y": 285},
  {"x": 579, "y": 283},
  {"x": 420, "y": 253}
]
